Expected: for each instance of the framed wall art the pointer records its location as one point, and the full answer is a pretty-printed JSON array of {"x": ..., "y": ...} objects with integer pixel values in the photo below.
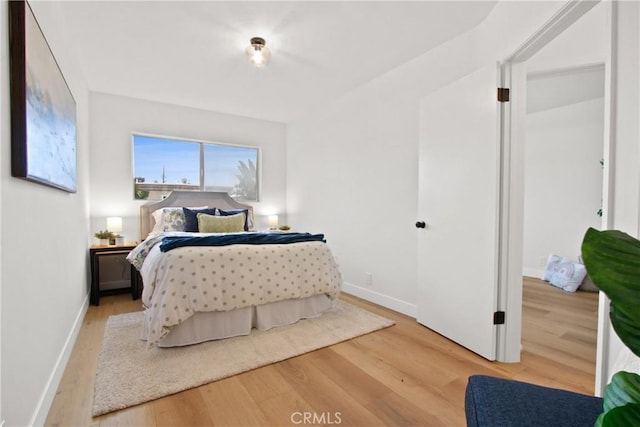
[{"x": 43, "y": 111}]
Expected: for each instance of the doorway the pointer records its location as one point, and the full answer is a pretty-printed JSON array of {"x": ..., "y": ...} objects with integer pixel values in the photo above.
[
  {"x": 562, "y": 199},
  {"x": 571, "y": 52}
]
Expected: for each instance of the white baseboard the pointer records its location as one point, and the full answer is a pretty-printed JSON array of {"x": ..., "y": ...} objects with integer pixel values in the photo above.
[
  {"x": 49, "y": 393},
  {"x": 533, "y": 272},
  {"x": 381, "y": 299}
]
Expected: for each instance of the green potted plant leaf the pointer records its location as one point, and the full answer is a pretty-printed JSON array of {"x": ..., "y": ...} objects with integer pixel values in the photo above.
[
  {"x": 612, "y": 259},
  {"x": 104, "y": 236}
]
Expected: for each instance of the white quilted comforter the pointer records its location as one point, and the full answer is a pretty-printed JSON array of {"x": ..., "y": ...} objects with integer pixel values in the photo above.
[{"x": 191, "y": 279}]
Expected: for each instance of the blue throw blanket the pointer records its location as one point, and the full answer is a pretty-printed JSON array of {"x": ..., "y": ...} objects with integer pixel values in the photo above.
[{"x": 172, "y": 242}]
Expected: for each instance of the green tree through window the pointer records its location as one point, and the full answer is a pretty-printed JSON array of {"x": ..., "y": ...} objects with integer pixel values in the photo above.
[{"x": 246, "y": 187}]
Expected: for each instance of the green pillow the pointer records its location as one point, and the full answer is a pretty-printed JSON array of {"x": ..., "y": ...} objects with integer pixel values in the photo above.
[{"x": 221, "y": 224}]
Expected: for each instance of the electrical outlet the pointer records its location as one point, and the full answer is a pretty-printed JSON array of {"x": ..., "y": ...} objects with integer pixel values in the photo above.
[
  {"x": 543, "y": 261},
  {"x": 368, "y": 278}
]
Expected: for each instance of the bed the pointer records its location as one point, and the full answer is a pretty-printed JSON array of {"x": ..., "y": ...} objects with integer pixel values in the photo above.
[{"x": 220, "y": 280}]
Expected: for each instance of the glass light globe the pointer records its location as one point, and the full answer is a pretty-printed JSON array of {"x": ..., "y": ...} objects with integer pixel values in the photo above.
[{"x": 257, "y": 53}]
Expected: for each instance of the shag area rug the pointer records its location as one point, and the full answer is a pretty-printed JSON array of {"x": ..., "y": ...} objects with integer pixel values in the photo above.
[{"x": 130, "y": 373}]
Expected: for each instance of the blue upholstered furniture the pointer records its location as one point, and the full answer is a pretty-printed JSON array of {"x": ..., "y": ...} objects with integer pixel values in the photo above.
[{"x": 496, "y": 402}]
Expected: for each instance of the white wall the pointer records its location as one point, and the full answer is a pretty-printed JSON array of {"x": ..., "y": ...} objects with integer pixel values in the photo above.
[
  {"x": 115, "y": 118},
  {"x": 563, "y": 176},
  {"x": 352, "y": 165},
  {"x": 44, "y": 242},
  {"x": 626, "y": 214}
]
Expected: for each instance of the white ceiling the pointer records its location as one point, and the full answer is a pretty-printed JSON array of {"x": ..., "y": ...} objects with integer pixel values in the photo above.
[
  {"x": 550, "y": 90},
  {"x": 192, "y": 53}
]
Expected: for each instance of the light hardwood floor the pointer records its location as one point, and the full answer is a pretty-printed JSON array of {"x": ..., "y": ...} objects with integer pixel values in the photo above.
[{"x": 405, "y": 375}]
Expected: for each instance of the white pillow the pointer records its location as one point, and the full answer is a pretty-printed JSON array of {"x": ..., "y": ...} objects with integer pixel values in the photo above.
[
  {"x": 552, "y": 265},
  {"x": 568, "y": 275},
  {"x": 170, "y": 219}
]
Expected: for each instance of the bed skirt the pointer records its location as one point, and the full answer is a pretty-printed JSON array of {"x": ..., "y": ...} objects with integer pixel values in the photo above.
[{"x": 207, "y": 326}]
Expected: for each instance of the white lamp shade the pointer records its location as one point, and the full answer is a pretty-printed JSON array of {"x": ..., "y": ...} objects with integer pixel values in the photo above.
[
  {"x": 272, "y": 221},
  {"x": 114, "y": 224}
]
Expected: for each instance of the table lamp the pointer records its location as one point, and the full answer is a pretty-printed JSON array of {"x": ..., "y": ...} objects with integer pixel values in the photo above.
[
  {"x": 272, "y": 221},
  {"x": 114, "y": 225}
]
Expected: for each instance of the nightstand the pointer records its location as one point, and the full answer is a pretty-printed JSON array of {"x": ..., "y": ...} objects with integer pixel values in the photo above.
[{"x": 99, "y": 252}]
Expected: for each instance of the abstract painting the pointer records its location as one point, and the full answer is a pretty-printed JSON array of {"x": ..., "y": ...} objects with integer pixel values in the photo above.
[{"x": 43, "y": 111}]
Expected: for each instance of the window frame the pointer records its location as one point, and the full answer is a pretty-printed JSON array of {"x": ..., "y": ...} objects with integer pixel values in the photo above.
[{"x": 201, "y": 172}]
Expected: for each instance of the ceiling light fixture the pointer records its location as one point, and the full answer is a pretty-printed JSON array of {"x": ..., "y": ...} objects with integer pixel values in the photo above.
[{"x": 257, "y": 52}]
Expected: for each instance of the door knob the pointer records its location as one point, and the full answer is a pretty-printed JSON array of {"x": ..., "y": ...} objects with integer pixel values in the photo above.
[{"x": 421, "y": 224}]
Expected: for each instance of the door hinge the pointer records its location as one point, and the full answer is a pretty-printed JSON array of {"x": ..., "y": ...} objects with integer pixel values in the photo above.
[
  {"x": 498, "y": 318},
  {"x": 503, "y": 94}
]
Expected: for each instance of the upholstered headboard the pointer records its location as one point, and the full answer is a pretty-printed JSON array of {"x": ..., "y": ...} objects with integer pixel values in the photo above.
[{"x": 189, "y": 198}]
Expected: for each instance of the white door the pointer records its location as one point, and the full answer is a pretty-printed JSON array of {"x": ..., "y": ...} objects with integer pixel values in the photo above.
[{"x": 459, "y": 173}]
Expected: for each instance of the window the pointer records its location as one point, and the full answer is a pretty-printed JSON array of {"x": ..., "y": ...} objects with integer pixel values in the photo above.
[{"x": 161, "y": 165}]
